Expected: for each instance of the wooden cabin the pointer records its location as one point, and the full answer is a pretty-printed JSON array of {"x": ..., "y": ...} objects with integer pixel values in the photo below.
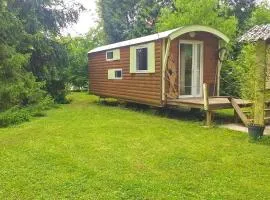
[
  {"x": 152, "y": 69},
  {"x": 163, "y": 69}
]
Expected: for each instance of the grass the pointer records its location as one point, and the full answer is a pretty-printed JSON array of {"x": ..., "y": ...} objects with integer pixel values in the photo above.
[{"x": 88, "y": 150}]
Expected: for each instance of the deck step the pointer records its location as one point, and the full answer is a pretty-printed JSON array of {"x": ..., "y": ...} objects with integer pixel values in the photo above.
[{"x": 267, "y": 109}]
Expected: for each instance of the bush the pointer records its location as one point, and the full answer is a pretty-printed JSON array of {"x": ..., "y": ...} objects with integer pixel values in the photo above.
[
  {"x": 14, "y": 116},
  {"x": 17, "y": 115}
]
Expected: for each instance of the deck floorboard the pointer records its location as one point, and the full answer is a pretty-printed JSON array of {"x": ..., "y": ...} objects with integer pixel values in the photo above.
[{"x": 215, "y": 103}]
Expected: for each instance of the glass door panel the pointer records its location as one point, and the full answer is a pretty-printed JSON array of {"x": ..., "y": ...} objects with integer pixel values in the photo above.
[
  {"x": 190, "y": 69},
  {"x": 197, "y": 71},
  {"x": 186, "y": 55}
]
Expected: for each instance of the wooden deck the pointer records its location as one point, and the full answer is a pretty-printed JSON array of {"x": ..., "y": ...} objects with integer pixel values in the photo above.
[{"x": 215, "y": 103}]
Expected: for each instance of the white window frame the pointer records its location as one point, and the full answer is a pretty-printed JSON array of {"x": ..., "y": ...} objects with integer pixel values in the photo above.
[
  {"x": 116, "y": 54},
  {"x": 193, "y": 42},
  {"x": 135, "y": 57},
  {"x": 115, "y": 78},
  {"x": 109, "y": 59},
  {"x": 118, "y": 78}
]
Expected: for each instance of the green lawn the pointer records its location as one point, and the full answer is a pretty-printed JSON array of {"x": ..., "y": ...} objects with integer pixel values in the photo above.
[{"x": 87, "y": 150}]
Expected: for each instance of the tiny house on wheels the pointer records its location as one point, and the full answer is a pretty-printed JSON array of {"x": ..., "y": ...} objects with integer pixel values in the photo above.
[{"x": 163, "y": 69}]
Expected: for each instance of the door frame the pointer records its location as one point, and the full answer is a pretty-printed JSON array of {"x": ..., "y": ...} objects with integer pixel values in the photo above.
[{"x": 193, "y": 42}]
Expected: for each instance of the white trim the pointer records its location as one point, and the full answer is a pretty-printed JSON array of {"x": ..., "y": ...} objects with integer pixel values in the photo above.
[
  {"x": 109, "y": 59},
  {"x": 151, "y": 65},
  {"x": 115, "y": 78},
  {"x": 193, "y": 42},
  {"x": 172, "y": 34},
  {"x": 145, "y": 46},
  {"x": 198, "y": 28},
  {"x": 163, "y": 76},
  {"x": 116, "y": 55}
]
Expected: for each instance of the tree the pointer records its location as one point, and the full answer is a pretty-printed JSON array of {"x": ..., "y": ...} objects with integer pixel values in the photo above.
[
  {"x": 41, "y": 22},
  {"x": 202, "y": 12},
  {"x": 77, "y": 70},
  {"x": 260, "y": 15},
  {"x": 126, "y": 19},
  {"x": 17, "y": 86},
  {"x": 242, "y": 9}
]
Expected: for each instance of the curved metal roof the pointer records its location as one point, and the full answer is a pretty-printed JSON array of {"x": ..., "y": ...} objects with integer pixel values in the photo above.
[{"x": 172, "y": 34}]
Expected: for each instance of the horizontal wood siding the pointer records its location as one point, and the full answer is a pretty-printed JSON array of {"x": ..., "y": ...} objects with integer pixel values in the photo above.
[
  {"x": 140, "y": 88},
  {"x": 210, "y": 43}
]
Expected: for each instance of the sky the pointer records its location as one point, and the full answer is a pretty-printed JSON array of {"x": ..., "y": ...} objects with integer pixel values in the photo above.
[{"x": 87, "y": 19}]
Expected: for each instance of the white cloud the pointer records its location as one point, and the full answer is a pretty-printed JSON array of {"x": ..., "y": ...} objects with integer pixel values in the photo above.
[{"x": 87, "y": 19}]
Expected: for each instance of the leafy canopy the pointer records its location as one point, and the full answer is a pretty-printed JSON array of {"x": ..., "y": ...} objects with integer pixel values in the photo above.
[{"x": 202, "y": 12}]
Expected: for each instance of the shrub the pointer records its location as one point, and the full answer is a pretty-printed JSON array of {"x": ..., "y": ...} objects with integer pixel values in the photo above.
[
  {"x": 17, "y": 115},
  {"x": 13, "y": 116}
]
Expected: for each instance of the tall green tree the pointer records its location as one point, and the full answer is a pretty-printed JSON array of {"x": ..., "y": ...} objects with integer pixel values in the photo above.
[
  {"x": 260, "y": 15},
  {"x": 17, "y": 86},
  {"x": 126, "y": 19},
  {"x": 242, "y": 10},
  {"x": 78, "y": 47},
  {"x": 42, "y": 22},
  {"x": 203, "y": 12}
]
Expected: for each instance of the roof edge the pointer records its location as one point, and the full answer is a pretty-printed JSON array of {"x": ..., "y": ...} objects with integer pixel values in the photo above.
[
  {"x": 197, "y": 28},
  {"x": 172, "y": 34}
]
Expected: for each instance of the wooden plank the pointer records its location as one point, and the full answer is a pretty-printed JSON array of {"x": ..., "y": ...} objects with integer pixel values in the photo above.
[{"x": 238, "y": 110}]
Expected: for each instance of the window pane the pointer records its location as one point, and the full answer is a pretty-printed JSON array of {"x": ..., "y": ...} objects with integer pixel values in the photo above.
[
  {"x": 141, "y": 59},
  {"x": 118, "y": 74},
  {"x": 110, "y": 55},
  {"x": 198, "y": 70},
  {"x": 186, "y": 69}
]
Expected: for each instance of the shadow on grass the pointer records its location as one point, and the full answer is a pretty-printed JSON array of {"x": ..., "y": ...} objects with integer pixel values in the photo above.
[{"x": 173, "y": 113}]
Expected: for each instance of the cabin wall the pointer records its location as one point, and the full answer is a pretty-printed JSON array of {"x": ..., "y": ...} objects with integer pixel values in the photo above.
[
  {"x": 210, "y": 45},
  {"x": 136, "y": 87}
]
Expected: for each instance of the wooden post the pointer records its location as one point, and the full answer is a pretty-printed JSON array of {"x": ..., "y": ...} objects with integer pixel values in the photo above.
[
  {"x": 260, "y": 76},
  {"x": 222, "y": 55},
  {"x": 238, "y": 110},
  {"x": 206, "y": 105},
  {"x": 236, "y": 117}
]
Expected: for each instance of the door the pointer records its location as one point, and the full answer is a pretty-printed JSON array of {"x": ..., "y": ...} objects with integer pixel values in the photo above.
[{"x": 191, "y": 65}]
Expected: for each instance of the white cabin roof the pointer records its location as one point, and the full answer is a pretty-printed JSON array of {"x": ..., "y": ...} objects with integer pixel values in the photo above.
[{"x": 170, "y": 33}]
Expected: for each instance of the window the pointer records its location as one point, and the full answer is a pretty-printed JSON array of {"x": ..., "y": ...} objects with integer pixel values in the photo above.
[
  {"x": 113, "y": 55},
  {"x": 109, "y": 55},
  {"x": 141, "y": 59},
  {"x": 118, "y": 74},
  {"x": 115, "y": 74}
]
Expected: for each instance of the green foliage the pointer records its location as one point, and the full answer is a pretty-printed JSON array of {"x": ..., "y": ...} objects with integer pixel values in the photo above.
[
  {"x": 13, "y": 116},
  {"x": 129, "y": 19},
  {"x": 261, "y": 15},
  {"x": 242, "y": 10},
  {"x": 77, "y": 48},
  {"x": 245, "y": 66},
  {"x": 17, "y": 86},
  {"x": 201, "y": 12},
  {"x": 17, "y": 115},
  {"x": 33, "y": 60}
]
